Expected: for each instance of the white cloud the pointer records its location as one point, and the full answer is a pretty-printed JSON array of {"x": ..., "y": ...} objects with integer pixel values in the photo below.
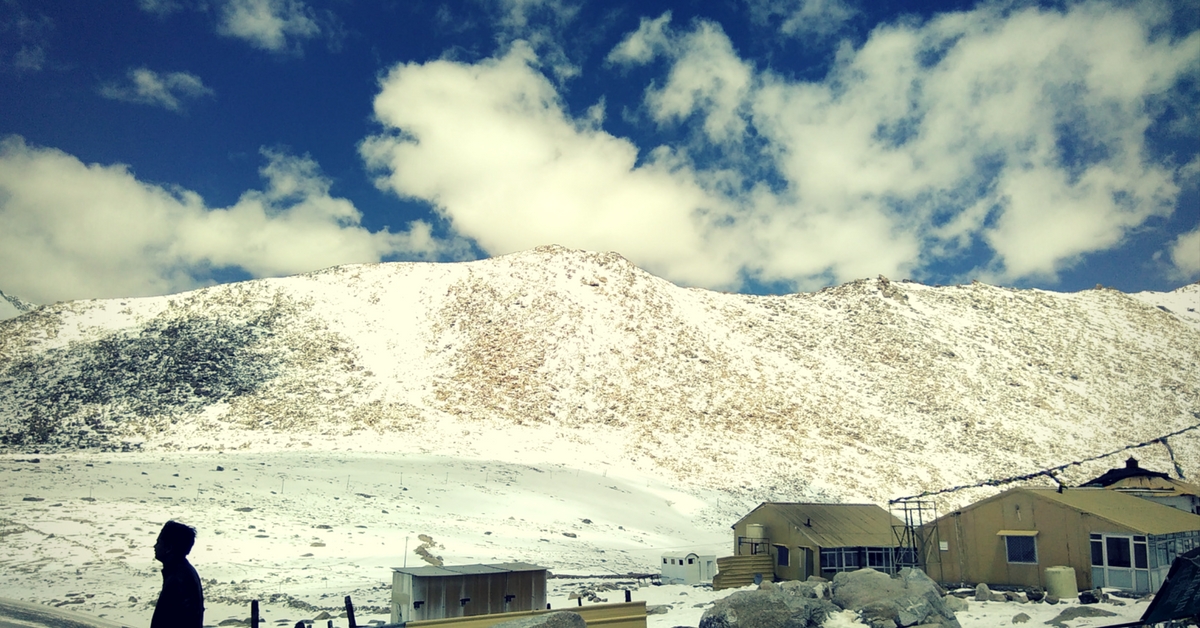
[
  {"x": 1019, "y": 131},
  {"x": 160, "y": 7},
  {"x": 1185, "y": 255},
  {"x": 147, "y": 87},
  {"x": 273, "y": 25},
  {"x": 802, "y": 18},
  {"x": 490, "y": 146},
  {"x": 644, "y": 44},
  {"x": 74, "y": 230}
]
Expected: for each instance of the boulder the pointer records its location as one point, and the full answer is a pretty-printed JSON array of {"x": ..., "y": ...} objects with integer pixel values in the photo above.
[
  {"x": 560, "y": 619},
  {"x": 1017, "y": 596},
  {"x": 1051, "y": 599},
  {"x": 907, "y": 599},
  {"x": 1088, "y": 597},
  {"x": 1076, "y": 612},
  {"x": 1020, "y": 618},
  {"x": 768, "y": 608},
  {"x": 810, "y": 589},
  {"x": 983, "y": 593},
  {"x": 954, "y": 604}
]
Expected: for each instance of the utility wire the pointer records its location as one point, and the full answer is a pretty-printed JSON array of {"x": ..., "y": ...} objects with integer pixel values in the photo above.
[{"x": 1052, "y": 471}]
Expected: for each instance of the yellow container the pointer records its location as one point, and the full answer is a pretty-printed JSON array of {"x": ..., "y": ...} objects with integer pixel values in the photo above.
[{"x": 1060, "y": 582}]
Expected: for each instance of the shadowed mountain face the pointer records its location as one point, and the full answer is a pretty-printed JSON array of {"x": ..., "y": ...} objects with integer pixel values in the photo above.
[{"x": 871, "y": 389}]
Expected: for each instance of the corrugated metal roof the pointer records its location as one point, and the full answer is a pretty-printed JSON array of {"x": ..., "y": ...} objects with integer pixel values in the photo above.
[
  {"x": 1135, "y": 513},
  {"x": 840, "y": 525},
  {"x": 466, "y": 570}
]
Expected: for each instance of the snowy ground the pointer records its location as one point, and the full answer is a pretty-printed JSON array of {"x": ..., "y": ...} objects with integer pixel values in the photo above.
[{"x": 301, "y": 530}]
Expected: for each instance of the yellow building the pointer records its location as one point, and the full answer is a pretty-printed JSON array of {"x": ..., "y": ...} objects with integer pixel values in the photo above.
[
  {"x": 817, "y": 539},
  {"x": 1111, "y": 539}
]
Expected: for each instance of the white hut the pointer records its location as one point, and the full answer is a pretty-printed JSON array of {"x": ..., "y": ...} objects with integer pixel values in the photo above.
[{"x": 688, "y": 568}]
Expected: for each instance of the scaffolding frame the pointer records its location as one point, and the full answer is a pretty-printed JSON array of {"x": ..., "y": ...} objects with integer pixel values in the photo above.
[{"x": 917, "y": 542}]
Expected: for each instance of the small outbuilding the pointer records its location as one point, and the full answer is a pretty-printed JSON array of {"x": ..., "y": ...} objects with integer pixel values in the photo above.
[
  {"x": 1109, "y": 538},
  {"x": 688, "y": 568},
  {"x": 818, "y": 539},
  {"x": 466, "y": 590},
  {"x": 1152, "y": 485}
]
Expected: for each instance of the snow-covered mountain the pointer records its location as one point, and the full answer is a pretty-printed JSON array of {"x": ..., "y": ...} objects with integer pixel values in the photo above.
[
  {"x": 11, "y": 306},
  {"x": 869, "y": 390}
]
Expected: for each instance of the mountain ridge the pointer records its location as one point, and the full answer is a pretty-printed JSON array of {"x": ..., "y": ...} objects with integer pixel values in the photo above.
[{"x": 867, "y": 390}]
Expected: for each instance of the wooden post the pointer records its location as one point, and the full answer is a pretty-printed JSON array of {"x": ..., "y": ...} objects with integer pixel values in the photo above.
[
  {"x": 628, "y": 596},
  {"x": 580, "y": 600},
  {"x": 350, "y": 612},
  {"x": 254, "y": 614}
]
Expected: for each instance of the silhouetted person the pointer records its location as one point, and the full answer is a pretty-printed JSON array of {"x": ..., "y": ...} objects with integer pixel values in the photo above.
[{"x": 181, "y": 603}]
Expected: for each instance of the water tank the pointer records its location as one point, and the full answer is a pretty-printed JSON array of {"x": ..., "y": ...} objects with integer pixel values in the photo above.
[
  {"x": 1060, "y": 582},
  {"x": 756, "y": 531}
]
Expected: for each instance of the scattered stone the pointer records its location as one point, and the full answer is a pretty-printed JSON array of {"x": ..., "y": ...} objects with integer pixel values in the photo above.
[
  {"x": 1088, "y": 597},
  {"x": 1051, "y": 599},
  {"x": 244, "y": 509},
  {"x": 658, "y": 609},
  {"x": 220, "y": 468},
  {"x": 1076, "y": 612},
  {"x": 570, "y": 535},
  {"x": 1036, "y": 595},
  {"x": 1017, "y": 596},
  {"x": 1020, "y": 618},
  {"x": 588, "y": 521},
  {"x": 983, "y": 593},
  {"x": 133, "y": 599},
  {"x": 322, "y": 615},
  {"x": 33, "y": 499}
]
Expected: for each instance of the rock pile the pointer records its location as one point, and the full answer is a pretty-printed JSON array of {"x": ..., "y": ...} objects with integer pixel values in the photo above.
[{"x": 908, "y": 599}]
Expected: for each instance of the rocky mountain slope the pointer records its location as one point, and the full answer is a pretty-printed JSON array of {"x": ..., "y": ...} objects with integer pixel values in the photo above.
[{"x": 869, "y": 390}]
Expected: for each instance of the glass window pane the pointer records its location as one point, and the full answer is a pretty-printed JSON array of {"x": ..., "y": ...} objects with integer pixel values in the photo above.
[
  {"x": 1097, "y": 552},
  {"x": 1098, "y": 577},
  {"x": 1021, "y": 549},
  {"x": 1141, "y": 583},
  {"x": 1139, "y": 556},
  {"x": 1118, "y": 552}
]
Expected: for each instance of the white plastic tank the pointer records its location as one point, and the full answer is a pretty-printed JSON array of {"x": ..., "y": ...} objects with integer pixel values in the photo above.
[
  {"x": 756, "y": 531},
  {"x": 1060, "y": 582}
]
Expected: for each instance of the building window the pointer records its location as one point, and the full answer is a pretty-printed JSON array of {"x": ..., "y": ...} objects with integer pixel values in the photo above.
[
  {"x": 1021, "y": 549},
  {"x": 1097, "y": 550},
  {"x": 782, "y": 555},
  {"x": 1118, "y": 551},
  {"x": 691, "y": 561},
  {"x": 664, "y": 561}
]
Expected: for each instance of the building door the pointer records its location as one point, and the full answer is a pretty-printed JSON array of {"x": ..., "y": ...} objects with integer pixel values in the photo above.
[{"x": 1120, "y": 561}]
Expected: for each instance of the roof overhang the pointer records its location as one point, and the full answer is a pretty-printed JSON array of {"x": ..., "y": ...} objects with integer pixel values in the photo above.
[{"x": 1017, "y": 533}]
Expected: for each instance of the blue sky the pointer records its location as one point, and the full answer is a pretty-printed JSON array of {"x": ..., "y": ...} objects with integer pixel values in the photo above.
[{"x": 154, "y": 146}]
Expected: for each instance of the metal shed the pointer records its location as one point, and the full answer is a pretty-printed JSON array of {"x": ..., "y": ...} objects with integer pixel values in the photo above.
[{"x": 420, "y": 593}]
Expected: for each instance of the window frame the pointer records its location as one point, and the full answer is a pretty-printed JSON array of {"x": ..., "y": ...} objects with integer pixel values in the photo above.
[{"x": 1009, "y": 547}]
